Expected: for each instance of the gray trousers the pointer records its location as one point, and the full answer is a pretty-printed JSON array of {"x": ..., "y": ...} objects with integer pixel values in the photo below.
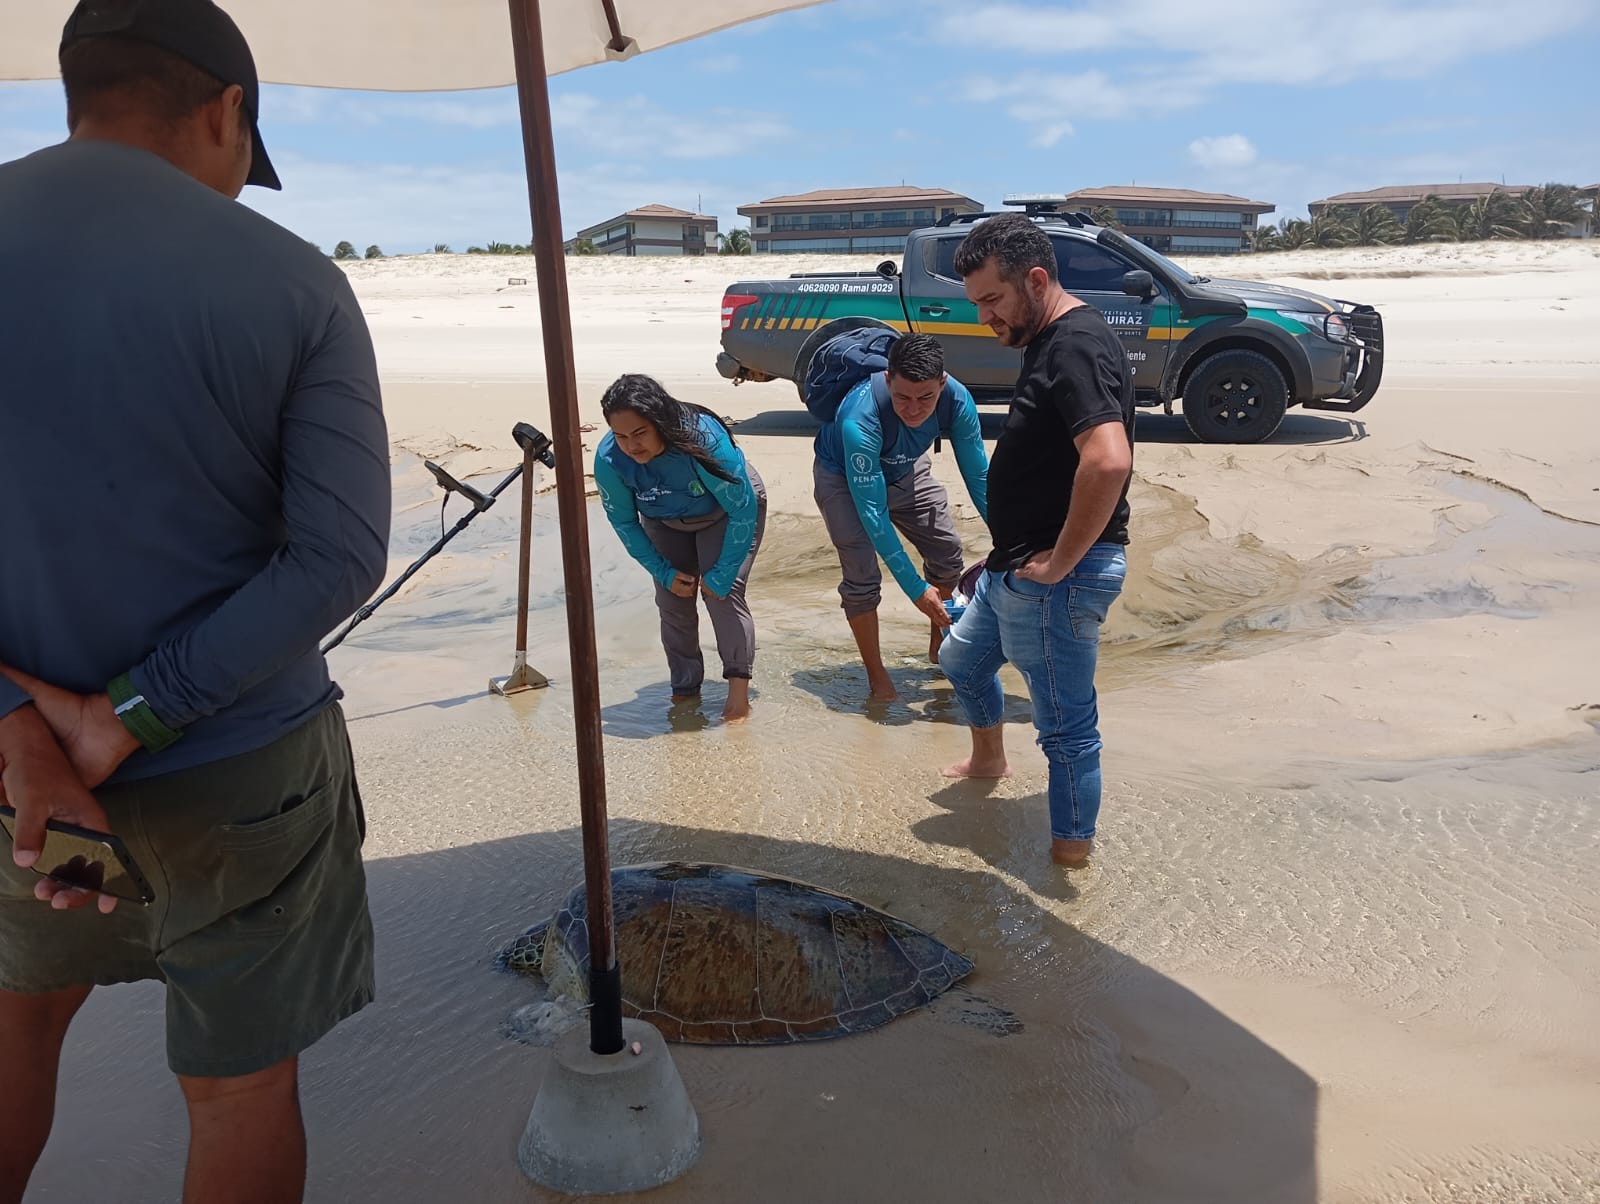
[
  {"x": 696, "y": 552},
  {"x": 918, "y": 507}
]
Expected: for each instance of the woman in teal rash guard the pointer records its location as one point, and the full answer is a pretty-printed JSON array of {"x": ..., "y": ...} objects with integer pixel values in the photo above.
[{"x": 688, "y": 507}]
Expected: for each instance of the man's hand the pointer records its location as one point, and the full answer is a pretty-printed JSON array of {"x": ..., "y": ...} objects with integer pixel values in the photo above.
[
  {"x": 85, "y": 725},
  {"x": 1043, "y": 568},
  {"x": 40, "y": 784},
  {"x": 683, "y": 585},
  {"x": 932, "y": 605},
  {"x": 711, "y": 593}
]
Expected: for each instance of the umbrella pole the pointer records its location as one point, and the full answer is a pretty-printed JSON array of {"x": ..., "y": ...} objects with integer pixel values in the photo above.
[{"x": 538, "y": 143}]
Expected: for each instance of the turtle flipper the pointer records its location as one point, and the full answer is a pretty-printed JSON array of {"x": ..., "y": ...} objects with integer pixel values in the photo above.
[
  {"x": 977, "y": 1012},
  {"x": 543, "y": 1022}
]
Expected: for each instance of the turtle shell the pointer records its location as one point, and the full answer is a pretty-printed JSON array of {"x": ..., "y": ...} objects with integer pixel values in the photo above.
[{"x": 716, "y": 955}]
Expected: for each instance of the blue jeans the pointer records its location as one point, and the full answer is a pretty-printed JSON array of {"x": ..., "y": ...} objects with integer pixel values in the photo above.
[{"x": 1051, "y": 633}]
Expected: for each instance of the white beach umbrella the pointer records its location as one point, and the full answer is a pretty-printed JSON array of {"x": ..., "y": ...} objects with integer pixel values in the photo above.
[
  {"x": 409, "y": 45},
  {"x": 427, "y": 45}
]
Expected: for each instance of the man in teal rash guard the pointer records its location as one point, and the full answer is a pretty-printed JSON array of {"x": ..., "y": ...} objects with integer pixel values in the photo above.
[{"x": 872, "y": 475}]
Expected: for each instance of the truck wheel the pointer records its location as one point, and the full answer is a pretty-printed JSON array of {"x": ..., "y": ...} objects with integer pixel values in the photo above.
[
  {"x": 1235, "y": 397},
  {"x": 821, "y": 335}
]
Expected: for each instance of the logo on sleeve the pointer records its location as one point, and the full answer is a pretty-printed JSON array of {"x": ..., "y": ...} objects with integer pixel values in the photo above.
[{"x": 861, "y": 463}]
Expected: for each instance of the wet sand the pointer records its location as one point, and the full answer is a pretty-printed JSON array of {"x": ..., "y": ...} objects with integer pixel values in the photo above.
[{"x": 1340, "y": 940}]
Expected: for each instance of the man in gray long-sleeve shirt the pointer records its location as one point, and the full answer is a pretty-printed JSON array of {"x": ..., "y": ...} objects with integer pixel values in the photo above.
[{"x": 196, "y": 490}]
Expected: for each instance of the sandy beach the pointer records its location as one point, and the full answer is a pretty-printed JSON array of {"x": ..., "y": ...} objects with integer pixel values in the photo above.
[{"x": 1339, "y": 943}]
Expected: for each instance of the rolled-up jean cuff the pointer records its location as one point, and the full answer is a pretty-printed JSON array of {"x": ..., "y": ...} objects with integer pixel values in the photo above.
[
  {"x": 976, "y": 713},
  {"x": 855, "y": 607}
]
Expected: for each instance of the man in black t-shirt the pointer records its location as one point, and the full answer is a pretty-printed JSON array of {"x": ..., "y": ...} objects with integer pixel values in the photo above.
[{"x": 1058, "y": 513}]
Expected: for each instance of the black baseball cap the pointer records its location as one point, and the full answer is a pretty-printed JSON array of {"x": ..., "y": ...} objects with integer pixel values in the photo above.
[{"x": 198, "y": 32}]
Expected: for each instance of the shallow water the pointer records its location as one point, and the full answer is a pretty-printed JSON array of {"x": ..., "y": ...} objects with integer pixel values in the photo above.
[{"x": 1219, "y": 1010}]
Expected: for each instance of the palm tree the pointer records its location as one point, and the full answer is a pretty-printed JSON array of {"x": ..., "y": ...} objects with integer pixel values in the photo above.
[
  {"x": 441, "y": 248},
  {"x": 1331, "y": 228},
  {"x": 1549, "y": 209},
  {"x": 1266, "y": 238},
  {"x": 585, "y": 246},
  {"x": 374, "y": 252},
  {"x": 1377, "y": 226},
  {"x": 1496, "y": 214},
  {"x": 1294, "y": 233},
  {"x": 735, "y": 242},
  {"x": 1430, "y": 220},
  {"x": 1104, "y": 215},
  {"x": 344, "y": 251}
]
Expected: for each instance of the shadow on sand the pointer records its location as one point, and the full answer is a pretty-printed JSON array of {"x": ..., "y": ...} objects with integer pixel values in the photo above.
[
  {"x": 924, "y": 694},
  {"x": 1123, "y": 1086}
]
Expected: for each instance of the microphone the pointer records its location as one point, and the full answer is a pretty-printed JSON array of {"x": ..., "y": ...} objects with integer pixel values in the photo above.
[{"x": 531, "y": 439}]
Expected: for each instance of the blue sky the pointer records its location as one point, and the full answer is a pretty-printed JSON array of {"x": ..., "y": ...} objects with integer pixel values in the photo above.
[{"x": 1281, "y": 102}]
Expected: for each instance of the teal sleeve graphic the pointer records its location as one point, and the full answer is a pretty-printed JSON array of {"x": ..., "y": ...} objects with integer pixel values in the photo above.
[
  {"x": 738, "y": 498},
  {"x": 863, "y": 469},
  {"x": 966, "y": 436},
  {"x": 617, "y": 500}
]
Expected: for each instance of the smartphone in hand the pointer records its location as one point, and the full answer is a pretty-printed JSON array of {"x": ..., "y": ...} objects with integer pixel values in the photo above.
[{"x": 87, "y": 859}]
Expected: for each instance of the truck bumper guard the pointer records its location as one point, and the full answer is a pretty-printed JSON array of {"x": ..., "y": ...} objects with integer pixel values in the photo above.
[{"x": 1361, "y": 381}]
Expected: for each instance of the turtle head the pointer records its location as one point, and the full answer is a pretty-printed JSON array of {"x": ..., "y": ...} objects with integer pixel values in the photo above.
[{"x": 525, "y": 955}]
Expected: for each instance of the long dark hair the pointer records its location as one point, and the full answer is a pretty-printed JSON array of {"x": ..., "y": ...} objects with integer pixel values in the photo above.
[{"x": 677, "y": 421}]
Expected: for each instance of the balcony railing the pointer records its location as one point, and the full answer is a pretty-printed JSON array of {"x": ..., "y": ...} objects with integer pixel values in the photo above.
[
  {"x": 894, "y": 220},
  {"x": 1160, "y": 219}
]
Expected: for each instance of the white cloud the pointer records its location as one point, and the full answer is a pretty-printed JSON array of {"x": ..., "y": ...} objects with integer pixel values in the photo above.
[
  {"x": 405, "y": 208},
  {"x": 475, "y": 114},
  {"x": 638, "y": 126},
  {"x": 1047, "y": 136},
  {"x": 398, "y": 207},
  {"x": 720, "y": 64},
  {"x": 321, "y": 106},
  {"x": 1267, "y": 42},
  {"x": 1223, "y": 150},
  {"x": 1051, "y": 101}
]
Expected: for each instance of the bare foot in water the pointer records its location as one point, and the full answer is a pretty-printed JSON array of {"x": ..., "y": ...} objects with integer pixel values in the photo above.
[
  {"x": 1074, "y": 854},
  {"x": 988, "y": 759},
  {"x": 974, "y": 767},
  {"x": 881, "y": 688},
  {"x": 737, "y": 708},
  {"x": 935, "y": 638}
]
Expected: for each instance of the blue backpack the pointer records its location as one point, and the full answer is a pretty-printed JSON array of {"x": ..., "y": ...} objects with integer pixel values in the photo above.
[{"x": 846, "y": 360}]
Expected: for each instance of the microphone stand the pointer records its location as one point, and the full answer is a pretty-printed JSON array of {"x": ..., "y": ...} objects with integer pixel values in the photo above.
[{"x": 536, "y": 446}]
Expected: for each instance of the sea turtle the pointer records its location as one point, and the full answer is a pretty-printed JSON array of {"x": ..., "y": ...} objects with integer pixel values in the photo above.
[{"x": 722, "y": 956}]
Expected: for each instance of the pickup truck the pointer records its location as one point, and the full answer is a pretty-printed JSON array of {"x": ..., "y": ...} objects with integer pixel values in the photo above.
[{"x": 1236, "y": 353}]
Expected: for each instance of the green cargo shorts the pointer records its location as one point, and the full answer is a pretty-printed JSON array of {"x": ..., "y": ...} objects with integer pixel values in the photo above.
[{"x": 260, "y": 926}]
